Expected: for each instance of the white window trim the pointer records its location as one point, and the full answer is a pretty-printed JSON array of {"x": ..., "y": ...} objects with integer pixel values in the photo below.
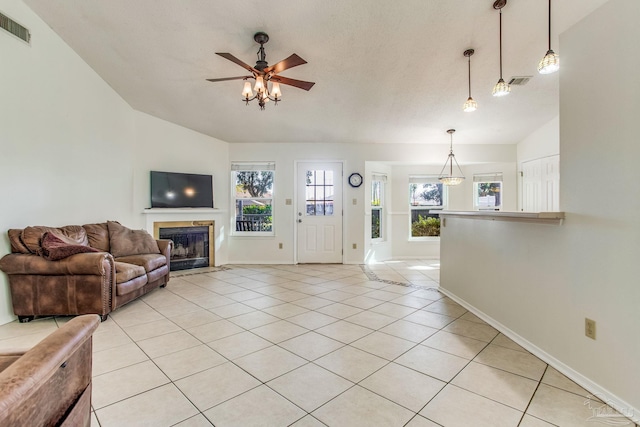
[
  {"x": 425, "y": 179},
  {"x": 491, "y": 178},
  {"x": 382, "y": 179}
]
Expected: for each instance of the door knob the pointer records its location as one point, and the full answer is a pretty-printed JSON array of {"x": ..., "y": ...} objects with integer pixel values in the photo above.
[{"x": 299, "y": 220}]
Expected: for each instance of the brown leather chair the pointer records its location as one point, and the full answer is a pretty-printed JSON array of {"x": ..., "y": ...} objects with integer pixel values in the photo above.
[{"x": 50, "y": 385}]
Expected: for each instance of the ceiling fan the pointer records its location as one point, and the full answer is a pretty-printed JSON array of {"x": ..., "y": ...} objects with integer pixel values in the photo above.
[{"x": 262, "y": 73}]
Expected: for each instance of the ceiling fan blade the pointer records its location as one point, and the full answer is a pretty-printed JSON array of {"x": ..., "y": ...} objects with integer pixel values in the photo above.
[
  {"x": 292, "y": 61},
  {"x": 229, "y": 78},
  {"x": 293, "y": 82},
  {"x": 239, "y": 62}
]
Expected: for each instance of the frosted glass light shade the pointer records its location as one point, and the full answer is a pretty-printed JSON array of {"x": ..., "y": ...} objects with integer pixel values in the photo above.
[
  {"x": 275, "y": 90},
  {"x": 470, "y": 105},
  {"x": 246, "y": 92},
  {"x": 501, "y": 88},
  {"x": 259, "y": 86},
  {"x": 451, "y": 180},
  {"x": 550, "y": 63}
]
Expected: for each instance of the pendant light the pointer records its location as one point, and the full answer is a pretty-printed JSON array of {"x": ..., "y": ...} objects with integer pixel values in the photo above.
[
  {"x": 501, "y": 88},
  {"x": 450, "y": 178},
  {"x": 551, "y": 62},
  {"x": 470, "y": 105}
]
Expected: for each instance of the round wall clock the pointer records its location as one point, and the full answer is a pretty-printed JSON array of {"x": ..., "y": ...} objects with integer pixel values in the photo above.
[{"x": 355, "y": 180}]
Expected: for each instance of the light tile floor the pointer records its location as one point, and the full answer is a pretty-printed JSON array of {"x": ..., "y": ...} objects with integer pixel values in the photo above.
[{"x": 314, "y": 345}]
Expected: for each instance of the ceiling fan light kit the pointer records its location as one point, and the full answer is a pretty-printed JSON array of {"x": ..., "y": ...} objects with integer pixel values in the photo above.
[{"x": 263, "y": 74}]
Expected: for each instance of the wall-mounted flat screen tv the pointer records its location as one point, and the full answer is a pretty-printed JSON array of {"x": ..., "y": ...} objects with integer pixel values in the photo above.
[{"x": 181, "y": 190}]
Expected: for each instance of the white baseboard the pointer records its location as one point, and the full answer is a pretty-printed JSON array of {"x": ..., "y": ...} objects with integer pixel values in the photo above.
[
  {"x": 7, "y": 319},
  {"x": 592, "y": 387}
]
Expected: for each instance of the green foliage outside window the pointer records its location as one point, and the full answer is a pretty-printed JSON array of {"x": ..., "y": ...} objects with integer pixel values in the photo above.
[
  {"x": 265, "y": 220},
  {"x": 256, "y": 210},
  {"x": 425, "y": 227}
]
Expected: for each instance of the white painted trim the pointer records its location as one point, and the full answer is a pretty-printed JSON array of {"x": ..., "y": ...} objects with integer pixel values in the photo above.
[{"x": 603, "y": 394}]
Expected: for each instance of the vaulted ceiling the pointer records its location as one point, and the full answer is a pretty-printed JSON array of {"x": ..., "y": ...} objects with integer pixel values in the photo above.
[{"x": 385, "y": 71}]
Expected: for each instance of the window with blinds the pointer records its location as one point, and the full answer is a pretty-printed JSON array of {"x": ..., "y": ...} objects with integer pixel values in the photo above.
[{"x": 487, "y": 191}]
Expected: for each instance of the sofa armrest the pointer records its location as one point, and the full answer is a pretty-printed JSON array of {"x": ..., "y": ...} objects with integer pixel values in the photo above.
[
  {"x": 90, "y": 263},
  {"x": 39, "y": 387},
  {"x": 166, "y": 246}
]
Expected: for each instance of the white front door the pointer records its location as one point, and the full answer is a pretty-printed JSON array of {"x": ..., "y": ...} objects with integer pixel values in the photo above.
[{"x": 319, "y": 212}]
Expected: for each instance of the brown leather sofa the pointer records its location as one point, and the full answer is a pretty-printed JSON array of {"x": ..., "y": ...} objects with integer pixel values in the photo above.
[
  {"x": 50, "y": 385},
  {"x": 114, "y": 266}
]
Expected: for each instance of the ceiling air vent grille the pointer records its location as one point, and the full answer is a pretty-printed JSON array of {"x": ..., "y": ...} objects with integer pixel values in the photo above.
[
  {"x": 14, "y": 28},
  {"x": 519, "y": 80}
]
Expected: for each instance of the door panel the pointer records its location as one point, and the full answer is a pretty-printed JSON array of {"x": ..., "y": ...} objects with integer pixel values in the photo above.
[{"x": 319, "y": 215}]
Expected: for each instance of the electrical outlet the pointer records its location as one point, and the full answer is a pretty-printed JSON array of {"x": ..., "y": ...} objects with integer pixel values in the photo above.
[
  {"x": 590, "y": 328},
  {"x": 355, "y": 201},
  {"x": 279, "y": 245},
  {"x": 355, "y": 246},
  {"x": 287, "y": 202}
]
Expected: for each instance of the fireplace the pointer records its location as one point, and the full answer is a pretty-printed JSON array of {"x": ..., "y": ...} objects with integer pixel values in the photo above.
[{"x": 192, "y": 242}]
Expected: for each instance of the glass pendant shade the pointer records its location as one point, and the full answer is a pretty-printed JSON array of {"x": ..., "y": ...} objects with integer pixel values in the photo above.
[
  {"x": 501, "y": 88},
  {"x": 246, "y": 92},
  {"x": 470, "y": 105},
  {"x": 550, "y": 63},
  {"x": 451, "y": 180}
]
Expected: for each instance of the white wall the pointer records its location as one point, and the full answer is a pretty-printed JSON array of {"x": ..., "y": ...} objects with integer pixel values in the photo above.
[
  {"x": 544, "y": 280},
  {"x": 543, "y": 142},
  {"x": 66, "y": 138},
  {"x": 71, "y": 150}
]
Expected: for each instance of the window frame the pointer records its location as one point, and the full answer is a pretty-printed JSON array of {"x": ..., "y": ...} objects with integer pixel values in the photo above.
[
  {"x": 422, "y": 180},
  {"x": 487, "y": 178},
  {"x": 380, "y": 207},
  {"x": 251, "y": 167}
]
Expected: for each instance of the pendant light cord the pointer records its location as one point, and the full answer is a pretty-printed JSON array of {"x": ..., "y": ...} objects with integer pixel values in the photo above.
[
  {"x": 501, "y": 43},
  {"x": 469, "y": 58},
  {"x": 549, "y": 25}
]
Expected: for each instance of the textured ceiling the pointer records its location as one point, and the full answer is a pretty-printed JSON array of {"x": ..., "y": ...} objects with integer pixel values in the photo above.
[{"x": 385, "y": 72}]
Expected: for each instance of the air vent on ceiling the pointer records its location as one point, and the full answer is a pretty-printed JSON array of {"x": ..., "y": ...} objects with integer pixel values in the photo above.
[
  {"x": 14, "y": 28},
  {"x": 519, "y": 80}
]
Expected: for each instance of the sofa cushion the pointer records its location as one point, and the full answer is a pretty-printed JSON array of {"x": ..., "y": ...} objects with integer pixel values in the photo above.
[
  {"x": 132, "y": 285},
  {"x": 56, "y": 247},
  {"x": 17, "y": 247},
  {"x": 126, "y": 272},
  {"x": 98, "y": 235},
  {"x": 32, "y": 236},
  {"x": 125, "y": 242},
  {"x": 148, "y": 261}
]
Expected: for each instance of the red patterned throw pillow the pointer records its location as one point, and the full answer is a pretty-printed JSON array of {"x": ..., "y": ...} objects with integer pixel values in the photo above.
[{"x": 54, "y": 248}]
